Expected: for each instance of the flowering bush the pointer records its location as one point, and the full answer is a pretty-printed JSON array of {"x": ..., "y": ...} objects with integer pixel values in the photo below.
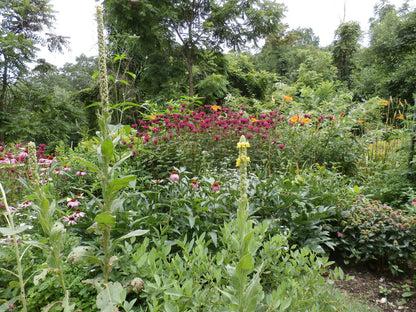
[
  {"x": 375, "y": 233},
  {"x": 205, "y": 138}
]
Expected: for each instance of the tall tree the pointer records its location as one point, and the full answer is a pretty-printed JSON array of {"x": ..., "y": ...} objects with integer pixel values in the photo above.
[
  {"x": 345, "y": 45},
  {"x": 23, "y": 25},
  {"x": 388, "y": 66},
  {"x": 191, "y": 26}
]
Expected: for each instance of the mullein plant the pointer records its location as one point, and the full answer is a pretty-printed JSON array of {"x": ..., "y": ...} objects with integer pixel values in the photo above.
[
  {"x": 45, "y": 204},
  {"x": 111, "y": 184},
  {"x": 245, "y": 293},
  {"x": 12, "y": 231}
]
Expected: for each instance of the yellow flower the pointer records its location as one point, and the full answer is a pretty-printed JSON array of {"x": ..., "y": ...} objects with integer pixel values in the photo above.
[
  {"x": 238, "y": 162},
  {"x": 253, "y": 120},
  {"x": 305, "y": 121},
  {"x": 215, "y": 107},
  {"x": 287, "y": 98},
  {"x": 152, "y": 116},
  {"x": 294, "y": 119}
]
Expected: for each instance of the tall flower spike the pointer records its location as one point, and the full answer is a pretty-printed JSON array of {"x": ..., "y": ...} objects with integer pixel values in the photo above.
[
  {"x": 105, "y": 106},
  {"x": 33, "y": 162},
  {"x": 242, "y": 161}
]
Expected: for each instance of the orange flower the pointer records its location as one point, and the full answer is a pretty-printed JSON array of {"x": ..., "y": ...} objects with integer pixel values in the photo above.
[
  {"x": 400, "y": 116},
  {"x": 253, "y": 120},
  {"x": 294, "y": 119},
  {"x": 287, "y": 98},
  {"x": 215, "y": 107},
  {"x": 305, "y": 121},
  {"x": 384, "y": 102}
]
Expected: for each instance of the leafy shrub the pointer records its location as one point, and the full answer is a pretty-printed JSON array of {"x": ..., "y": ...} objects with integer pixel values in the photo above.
[{"x": 375, "y": 233}]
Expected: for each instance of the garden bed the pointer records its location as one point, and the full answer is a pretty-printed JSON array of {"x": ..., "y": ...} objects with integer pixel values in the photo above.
[{"x": 379, "y": 289}]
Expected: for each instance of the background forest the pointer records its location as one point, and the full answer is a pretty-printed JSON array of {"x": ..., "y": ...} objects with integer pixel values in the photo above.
[{"x": 209, "y": 159}]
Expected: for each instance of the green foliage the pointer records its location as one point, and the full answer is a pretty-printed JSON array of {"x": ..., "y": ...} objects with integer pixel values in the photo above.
[
  {"x": 344, "y": 48},
  {"x": 387, "y": 67},
  {"x": 372, "y": 232}
]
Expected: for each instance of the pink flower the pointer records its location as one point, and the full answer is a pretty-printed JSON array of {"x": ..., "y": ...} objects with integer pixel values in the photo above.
[
  {"x": 70, "y": 220},
  {"x": 81, "y": 173},
  {"x": 72, "y": 203},
  {"x": 217, "y": 137},
  {"x": 194, "y": 184},
  {"x": 413, "y": 202},
  {"x": 25, "y": 204},
  {"x": 174, "y": 177},
  {"x": 282, "y": 146},
  {"x": 215, "y": 187},
  {"x": 78, "y": 214},
  {"x": 134, "y": 152}
]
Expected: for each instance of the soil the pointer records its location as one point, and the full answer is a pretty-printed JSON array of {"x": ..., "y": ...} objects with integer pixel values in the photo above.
[{"x": 380, "y": 289}]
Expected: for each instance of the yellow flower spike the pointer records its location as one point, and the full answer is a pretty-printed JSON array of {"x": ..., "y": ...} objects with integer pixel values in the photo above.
[
  {"x": 248, "y": 159},
  {"x": 239, "y": 145},
  {"x": 238, "y": 162}
]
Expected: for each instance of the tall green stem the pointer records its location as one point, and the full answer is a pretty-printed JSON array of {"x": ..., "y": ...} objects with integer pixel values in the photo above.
[
  {"x": 106, "y": 144},
  {"x": 16, "y": 250}
]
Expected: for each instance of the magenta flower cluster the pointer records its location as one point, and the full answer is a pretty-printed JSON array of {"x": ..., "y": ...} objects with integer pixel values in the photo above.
[{"x": 218, "y": 124}]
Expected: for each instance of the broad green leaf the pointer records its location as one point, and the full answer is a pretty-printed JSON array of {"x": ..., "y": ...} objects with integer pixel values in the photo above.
[
  {"x": 107, "y": 148},
  {"x": 83, "y": 254},
  {"x": 118, "y": 184},
  {"x": 174, "y": 292},
  {"x": 132, "y": 234},
  {"x": 110, "y": 297},
  {"x": 10, "y": 232},
  {"x": 105, "y": 218},
  {"x": 245, "y": 264}
]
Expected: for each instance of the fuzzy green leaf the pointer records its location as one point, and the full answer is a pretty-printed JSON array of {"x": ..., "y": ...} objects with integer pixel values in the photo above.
[
  {"x": 107, "y": 148},
  {"x": 10, "y": 232},
  {"x": 105, "y": 218}
]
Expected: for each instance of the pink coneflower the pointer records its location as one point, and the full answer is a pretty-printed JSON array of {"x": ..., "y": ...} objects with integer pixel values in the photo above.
[
  {"x": 70, "y": 220},
  {"x": 78, "y": 214},
  {"x": 215, "y": 187},
  {"x": 194, "y": 184},
  {"x": 80, "y": 196},
  {"x": 72, "y": 202},
  {"x": 81, "y": 173},
  {"x": 413, "y": 202},
  {"x": 67, "y": 168},
  {"x": 25, "y": 204},
  {"x": 23, "y": 155},
  {"x": 4, "y": 160},
  {"x": 174, "y": 176}
]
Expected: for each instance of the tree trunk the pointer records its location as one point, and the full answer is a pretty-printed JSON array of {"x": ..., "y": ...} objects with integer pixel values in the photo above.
[{"x": 190, "y": 65}]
